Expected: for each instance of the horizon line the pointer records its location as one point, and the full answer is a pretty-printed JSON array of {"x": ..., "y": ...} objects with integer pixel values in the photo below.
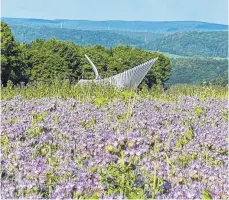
[{"x": 113, "y": 20}]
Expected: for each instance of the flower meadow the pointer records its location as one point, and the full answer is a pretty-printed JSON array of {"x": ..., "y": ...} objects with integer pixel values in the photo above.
[{"x": 131, "y": 146}]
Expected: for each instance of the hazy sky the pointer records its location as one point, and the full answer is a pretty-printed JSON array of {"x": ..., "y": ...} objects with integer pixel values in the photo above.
[{"x": 139, "y": 10}]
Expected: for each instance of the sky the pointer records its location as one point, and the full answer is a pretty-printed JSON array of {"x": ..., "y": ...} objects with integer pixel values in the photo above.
[{"x": 130, "y": 10}]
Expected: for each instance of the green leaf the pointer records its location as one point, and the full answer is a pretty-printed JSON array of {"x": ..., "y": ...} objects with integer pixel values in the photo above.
[{"x": 206, "y": 194}]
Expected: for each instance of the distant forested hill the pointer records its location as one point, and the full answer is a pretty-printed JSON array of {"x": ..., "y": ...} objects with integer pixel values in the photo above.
[
  {"x": 213, "y": 44},
  {"x": 148, "y": 26},
  {"x": 144, "y": 37},
  {"x": 28, "y": 34},
  {"x": 198, "y": 70},
  {"x": 209, "y": 44},
  {"x": 180, "y": 38}
]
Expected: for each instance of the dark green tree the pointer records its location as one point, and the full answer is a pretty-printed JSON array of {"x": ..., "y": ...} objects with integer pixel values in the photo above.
[
  {"x": 53, "y": 59},
  {"x": 13, "y": 63}
]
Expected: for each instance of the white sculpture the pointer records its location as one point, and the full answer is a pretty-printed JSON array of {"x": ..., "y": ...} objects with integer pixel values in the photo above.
[{"x": 128, "y": 79}]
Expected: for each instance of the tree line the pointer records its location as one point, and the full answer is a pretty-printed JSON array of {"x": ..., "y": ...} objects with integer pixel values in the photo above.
[{"x": 45, "y": 60}]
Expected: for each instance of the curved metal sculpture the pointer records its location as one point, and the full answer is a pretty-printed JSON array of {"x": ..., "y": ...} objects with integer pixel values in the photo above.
[
  {"x": 97, "y": 77},
  {"x": 128, "y": 79}
]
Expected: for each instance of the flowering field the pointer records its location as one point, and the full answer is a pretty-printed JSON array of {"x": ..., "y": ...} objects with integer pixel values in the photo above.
[{"x": 133, "y": 148}]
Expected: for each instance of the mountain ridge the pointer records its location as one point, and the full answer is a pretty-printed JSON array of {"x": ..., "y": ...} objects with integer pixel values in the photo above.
[
  {"x": 110, "y": 20},
  {"x": 149, "y": 26}
]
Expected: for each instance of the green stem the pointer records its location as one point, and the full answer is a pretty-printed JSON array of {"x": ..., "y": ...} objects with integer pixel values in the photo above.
[
  {"x": 154, "y": 179},
  {"x": 122, "y": 189}
]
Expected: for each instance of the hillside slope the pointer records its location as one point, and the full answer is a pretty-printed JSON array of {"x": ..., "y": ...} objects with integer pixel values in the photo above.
[
  {"x": 213, "y": 44},
  {"x": 198, "y": 70}
]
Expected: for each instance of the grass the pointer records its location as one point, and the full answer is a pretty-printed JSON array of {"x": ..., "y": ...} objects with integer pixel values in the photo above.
[{"x": 100, "y": 94}]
